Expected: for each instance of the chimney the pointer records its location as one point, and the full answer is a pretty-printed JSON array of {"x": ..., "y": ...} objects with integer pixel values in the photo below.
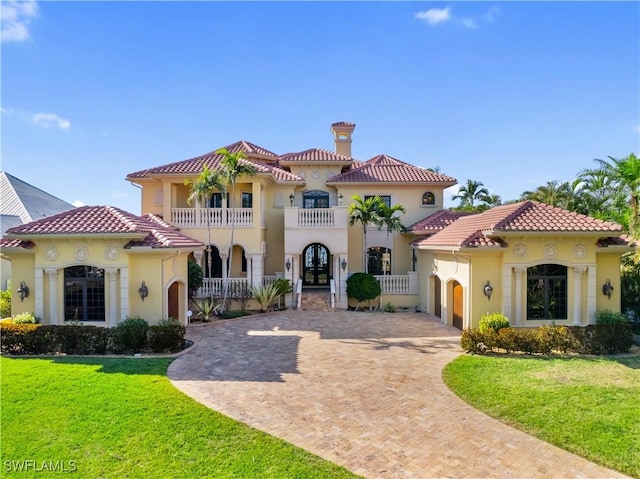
[{"x": 342, "y": 134}]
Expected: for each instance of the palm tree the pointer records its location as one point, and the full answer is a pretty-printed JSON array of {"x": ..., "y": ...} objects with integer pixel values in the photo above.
[
  {"x": 364, "y": 211},
  {"x": 233, "y": 167},
  {"x": 200, "y": 189},
  {"x": 553, "y": 193},
  {"x": 471, "y": 192},
  {"x": 390, "y": 221}
]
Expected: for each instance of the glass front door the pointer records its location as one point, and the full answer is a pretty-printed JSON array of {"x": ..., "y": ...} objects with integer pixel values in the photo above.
[{"x": 315, "y": 265}]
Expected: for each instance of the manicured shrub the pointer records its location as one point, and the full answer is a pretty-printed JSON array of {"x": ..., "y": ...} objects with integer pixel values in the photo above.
[
  {"x": 132, "y": 335},
  {"x": 613, "y": 338},
  {"x": 610, "y": 317},
  {"x": 495, "y": 321},
  {"x": 389, "y": 308},
  {"x": 20, "y": 338},
  {"x": 5, "y": 303},
  {"x": 166, "y": 336},
  {"x": 24, "y": 318},
  {"x": 363, "y": 287}
]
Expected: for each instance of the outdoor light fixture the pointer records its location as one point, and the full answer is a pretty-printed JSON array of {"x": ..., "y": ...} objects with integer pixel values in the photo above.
[
  {"x": 144, "y": 291},
  {"x": 291, "y": 197},
  {"x": 344, "y": 264},
  {"x": 288, "y": 264},
  {"x": 23, "y": 291},
  {"x": 340, "y": 198},
  {"x": 607, "y": 289},
  {"x": 488, "y": 290}
]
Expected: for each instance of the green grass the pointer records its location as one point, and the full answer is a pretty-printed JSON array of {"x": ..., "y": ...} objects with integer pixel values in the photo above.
[
  {"x": 590, "y": 407},
  {"x": 122, "y": 418}
]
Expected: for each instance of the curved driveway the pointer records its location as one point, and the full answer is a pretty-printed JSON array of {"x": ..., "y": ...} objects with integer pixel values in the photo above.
[{"x": 362, "y": 390}]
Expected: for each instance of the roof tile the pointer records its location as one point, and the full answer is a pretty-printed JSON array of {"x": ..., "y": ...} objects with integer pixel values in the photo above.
[{"x": 315, "y": 154}]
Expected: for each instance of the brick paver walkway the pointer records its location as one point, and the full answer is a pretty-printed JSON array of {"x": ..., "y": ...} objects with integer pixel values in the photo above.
[{"x": 362, "y": 390}]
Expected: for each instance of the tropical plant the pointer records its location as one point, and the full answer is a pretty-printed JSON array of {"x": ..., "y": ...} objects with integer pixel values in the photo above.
[
  {"x": 200, "y": 189},
  {"x": 206, "y": 307},
  {"x": 391, "y": 222},
  {"x": 363, "y": 287},
  {"x": 495, "y": 321},
  {"x": 469, "y": 193},
  {"x": 364, "y": 211},
  {"x": 553, "y": 193},
  {"x": 25, "y": 318},
  {"x": 5, "y": 302},
  {"x": 265, "y": 295},
  {"x": 234, "y": 166}
]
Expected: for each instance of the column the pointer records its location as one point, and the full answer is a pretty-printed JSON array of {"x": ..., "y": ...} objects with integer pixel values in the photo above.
[
  {"x": 577, "y": 294},
  {"x": 112, "y": 277},
  {"x": 257, "y": 272},
  {"x": 39, "y": 293},
  {"x": 224, "y": 257},
  {"x": 507, "y": 291},
  {"x": 519, "y": 273},
  {"x": 414, "y": 282},
  {"x": 592, "y": 291},
  {"x": 124, "y": 292},
  {"x": 52, "y": 273}
]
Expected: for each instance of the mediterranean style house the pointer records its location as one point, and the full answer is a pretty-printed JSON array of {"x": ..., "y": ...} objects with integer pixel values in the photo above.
[{"x": 290, "y": 220}]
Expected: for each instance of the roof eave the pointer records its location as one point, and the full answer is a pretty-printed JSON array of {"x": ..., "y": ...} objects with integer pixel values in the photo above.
[{"x": 502, "y": 233}]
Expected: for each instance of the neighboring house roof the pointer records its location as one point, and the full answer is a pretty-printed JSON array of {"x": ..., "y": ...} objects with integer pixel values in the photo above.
[
  {"x": 8, "y": 221},
  {"x": 386, "y": 169},
  {"x": 315, "y": 155},
  {"x": 19, "y": 198},
  {"x": 144, "y": 231},
  {"x": 437, "y": 221},
  {"x": 488, "y": 228}
]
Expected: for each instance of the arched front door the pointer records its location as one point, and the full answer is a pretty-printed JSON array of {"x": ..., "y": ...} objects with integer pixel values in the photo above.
[
  {"x": 315, "y": 265},
  {"x": 457, "y": 305},
  {"x": 173, "y": 301},
  {"x": 437, "y": 297}
]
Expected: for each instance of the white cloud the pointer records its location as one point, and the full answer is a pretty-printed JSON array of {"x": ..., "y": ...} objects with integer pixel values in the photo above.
[
  {"x": 47, "y": 120},
  {"x": 78, "y": 203},
  {"x": 15, "y": 18},
  {"x": 433, "y": 16}
]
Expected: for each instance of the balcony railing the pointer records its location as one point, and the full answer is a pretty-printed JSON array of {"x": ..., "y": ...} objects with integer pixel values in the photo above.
[
  {"x": 316, "y": 218},
  {"x": 398, "y": 284},
  {"x": 237, "y": 286},
  {"x": 214, "y": 217}
]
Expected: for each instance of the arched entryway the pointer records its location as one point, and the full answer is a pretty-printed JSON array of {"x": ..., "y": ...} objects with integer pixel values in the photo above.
[
  {"x": 315, "y": 265},
  {"x": 437, "y": 297},
  {"x": 457, "y": 305},
  {"x": 173, "y": 301}
]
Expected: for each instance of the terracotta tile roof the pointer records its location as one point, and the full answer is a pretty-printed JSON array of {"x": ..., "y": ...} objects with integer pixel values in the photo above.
[
  {"x": 483, "y": 229},
  {"x": 617, "y": 241},
  {"x": 250, "y": 149},
  {"x": 343, "y": 123},
  {"x": 315, "y": 154},
  {"x": 148, "y": 230},
  {"x": 16, "y": 243},
  {"x": 437, "y": 221},
  {"x": 386, "y": 169}
]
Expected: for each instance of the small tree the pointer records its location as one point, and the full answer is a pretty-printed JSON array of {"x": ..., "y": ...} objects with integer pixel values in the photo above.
[
  {"x": 195, "y": 278},
  {"x": 363, "y": 287},
  {"x": 364, "y": 211}
]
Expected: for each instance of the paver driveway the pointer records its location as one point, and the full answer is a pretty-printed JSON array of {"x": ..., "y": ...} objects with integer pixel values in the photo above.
[{"x": 362, "y": 390}]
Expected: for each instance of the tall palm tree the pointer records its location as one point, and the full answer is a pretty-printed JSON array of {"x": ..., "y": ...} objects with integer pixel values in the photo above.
[
  {"x": 234, "y": 166},
  {"x": 553, "y": 193},
  {"x": 469, "y": 193},
  {"x": 391, "y": 222},
  {"x": 200, "y": 189},
  {"x": 364, "y": 211}
]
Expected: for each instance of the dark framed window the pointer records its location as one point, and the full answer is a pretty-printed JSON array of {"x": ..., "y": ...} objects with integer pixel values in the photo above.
[
  {"x": 247, "y": 200},
  {"x": 379, "y": 260},
  {"x": 84, "y": 298},
  {"x": 428, "y": 198},
  {"x": 547, "y": 292},
  {"x": 386, "y": 199},
  {"x": 244, "y": 262},
  {"x": 215, "y": 269},
  {"x": 315, "y": 199},
  {"x": 215, "y": 201}
]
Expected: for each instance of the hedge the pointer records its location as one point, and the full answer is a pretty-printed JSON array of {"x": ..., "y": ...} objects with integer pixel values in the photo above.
[
  {"x": 22, "y": 339},
  {"x": 546, "y": 340}
]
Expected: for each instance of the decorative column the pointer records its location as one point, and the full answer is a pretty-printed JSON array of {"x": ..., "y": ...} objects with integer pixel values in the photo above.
[
  {"x": 577, "y": 294},
  {"x": 225, "y": 272},
  {"x": 519, "y": 273},
  {"x": 52, "y": 273},
  {"x": 256, "y": 270},
  {"x": 39, "y": 293},
  {"x": 112, "y": 276},
  {"x": 124, "y": 292},
  {"x": 592, "y": 290},
  {"x": 507, "y": 291}
]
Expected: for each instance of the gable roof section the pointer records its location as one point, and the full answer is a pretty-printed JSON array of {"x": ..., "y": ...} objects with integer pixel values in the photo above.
[
  {"x": 483, "y": 229},
  {"x": 256, "y": 156},
  {"x": 386, "y": 169},
  {"x": 437, "y": 221},
  {"x": 315, "y": 155},
  {"x": 148, "y": 231},
  {"x": 19, "y": 198}
]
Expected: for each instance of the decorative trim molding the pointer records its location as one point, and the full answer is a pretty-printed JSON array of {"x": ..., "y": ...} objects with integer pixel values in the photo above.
[
  {"x": 520, "y": 251},
  {"x": 51, "y": 253},
  {"x": 81, "y": 253},
  {"x": 550, "y": 251}
]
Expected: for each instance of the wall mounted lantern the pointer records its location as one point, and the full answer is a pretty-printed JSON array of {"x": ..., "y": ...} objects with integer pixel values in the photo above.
[
  {"x": 23, "y": 291},
  {"x": 607, "y": 289},
  {"x": 291, "y": 197},
  {"x": 344, "y": 264},
  {"x": 144, "y": 291},
  {"x": 340, "y": 198},
  {"x": 288, "y": 264},
  {"x": 488, "y": 290}
]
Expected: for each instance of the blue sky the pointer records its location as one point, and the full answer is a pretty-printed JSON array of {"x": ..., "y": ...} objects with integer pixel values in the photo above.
[{"x": 508, "y": 93}]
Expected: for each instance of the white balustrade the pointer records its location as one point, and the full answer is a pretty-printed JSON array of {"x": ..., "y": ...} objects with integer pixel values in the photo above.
[
  {"x": 215, "y": 287},
  {"x": 316, "y": 218},
  {"x": 396, "y": 284},
  {"x": 214, "y": 217}
]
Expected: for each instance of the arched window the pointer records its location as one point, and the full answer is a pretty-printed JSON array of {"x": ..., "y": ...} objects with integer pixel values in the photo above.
[
  {"x": 428, "y": 199},
  {"x": 315, "y": 199},
  {"x": 83, "y": 294},
  {"x": 215, "y": 269},
  {"x": 547, "y": 292},
  {"x": 379, "y": 261}
]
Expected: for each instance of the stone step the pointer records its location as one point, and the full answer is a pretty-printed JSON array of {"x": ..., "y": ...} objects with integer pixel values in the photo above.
[{"x": 316, "y": 301}]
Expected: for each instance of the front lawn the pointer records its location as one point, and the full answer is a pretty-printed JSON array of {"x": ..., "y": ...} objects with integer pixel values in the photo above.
[
  {"x": 590, "y": 407},
  {"x": 122, "y": 418}
]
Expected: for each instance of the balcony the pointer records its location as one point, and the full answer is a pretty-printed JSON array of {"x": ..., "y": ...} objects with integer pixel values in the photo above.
[
  {"x": 214, "y": 217},
  {"x": 312, "y": 218}
]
